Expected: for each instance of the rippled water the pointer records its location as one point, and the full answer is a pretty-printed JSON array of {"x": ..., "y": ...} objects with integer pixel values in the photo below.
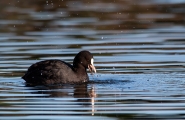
[{"x": 138, "y": 48}]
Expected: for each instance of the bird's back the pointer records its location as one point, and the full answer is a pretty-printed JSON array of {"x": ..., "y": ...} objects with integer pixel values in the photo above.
[{"x": 49, "y": 72}]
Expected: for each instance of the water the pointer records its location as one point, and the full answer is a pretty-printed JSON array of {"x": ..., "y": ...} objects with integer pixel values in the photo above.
[{"x": 138, "y": 48}]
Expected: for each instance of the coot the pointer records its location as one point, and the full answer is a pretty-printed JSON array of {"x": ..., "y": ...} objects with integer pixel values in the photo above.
[{"x": 59, "y": 72}]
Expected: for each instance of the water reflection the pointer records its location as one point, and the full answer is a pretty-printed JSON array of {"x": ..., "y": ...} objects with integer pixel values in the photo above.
[
  {"x": 84, "y": 95},
  {"x": 138, "y": 48}
]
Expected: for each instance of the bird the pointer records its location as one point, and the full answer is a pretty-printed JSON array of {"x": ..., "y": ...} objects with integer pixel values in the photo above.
[{"x": 49, "y": 72}]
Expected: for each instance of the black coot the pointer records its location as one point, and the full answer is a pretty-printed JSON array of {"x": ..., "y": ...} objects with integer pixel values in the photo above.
[{"x": 59, "y": 72}]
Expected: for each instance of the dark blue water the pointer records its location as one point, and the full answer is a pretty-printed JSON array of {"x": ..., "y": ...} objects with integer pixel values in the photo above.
[{"x": 138, "y": 47}]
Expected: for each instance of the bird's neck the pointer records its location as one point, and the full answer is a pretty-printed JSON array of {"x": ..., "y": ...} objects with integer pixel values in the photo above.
[
  {"x": 80, "y": 69},
  {"x": 81, "y": 72}
]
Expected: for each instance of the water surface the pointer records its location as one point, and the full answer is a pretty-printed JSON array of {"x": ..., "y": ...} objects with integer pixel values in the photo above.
[{"x": 138, "y": 47}]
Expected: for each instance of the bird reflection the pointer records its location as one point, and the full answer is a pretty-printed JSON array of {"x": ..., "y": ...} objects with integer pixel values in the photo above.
[{"x": 80, "y": 91}]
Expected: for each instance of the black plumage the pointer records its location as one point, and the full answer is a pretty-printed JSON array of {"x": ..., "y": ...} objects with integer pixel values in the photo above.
[{"x": 59, "y": 72}]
